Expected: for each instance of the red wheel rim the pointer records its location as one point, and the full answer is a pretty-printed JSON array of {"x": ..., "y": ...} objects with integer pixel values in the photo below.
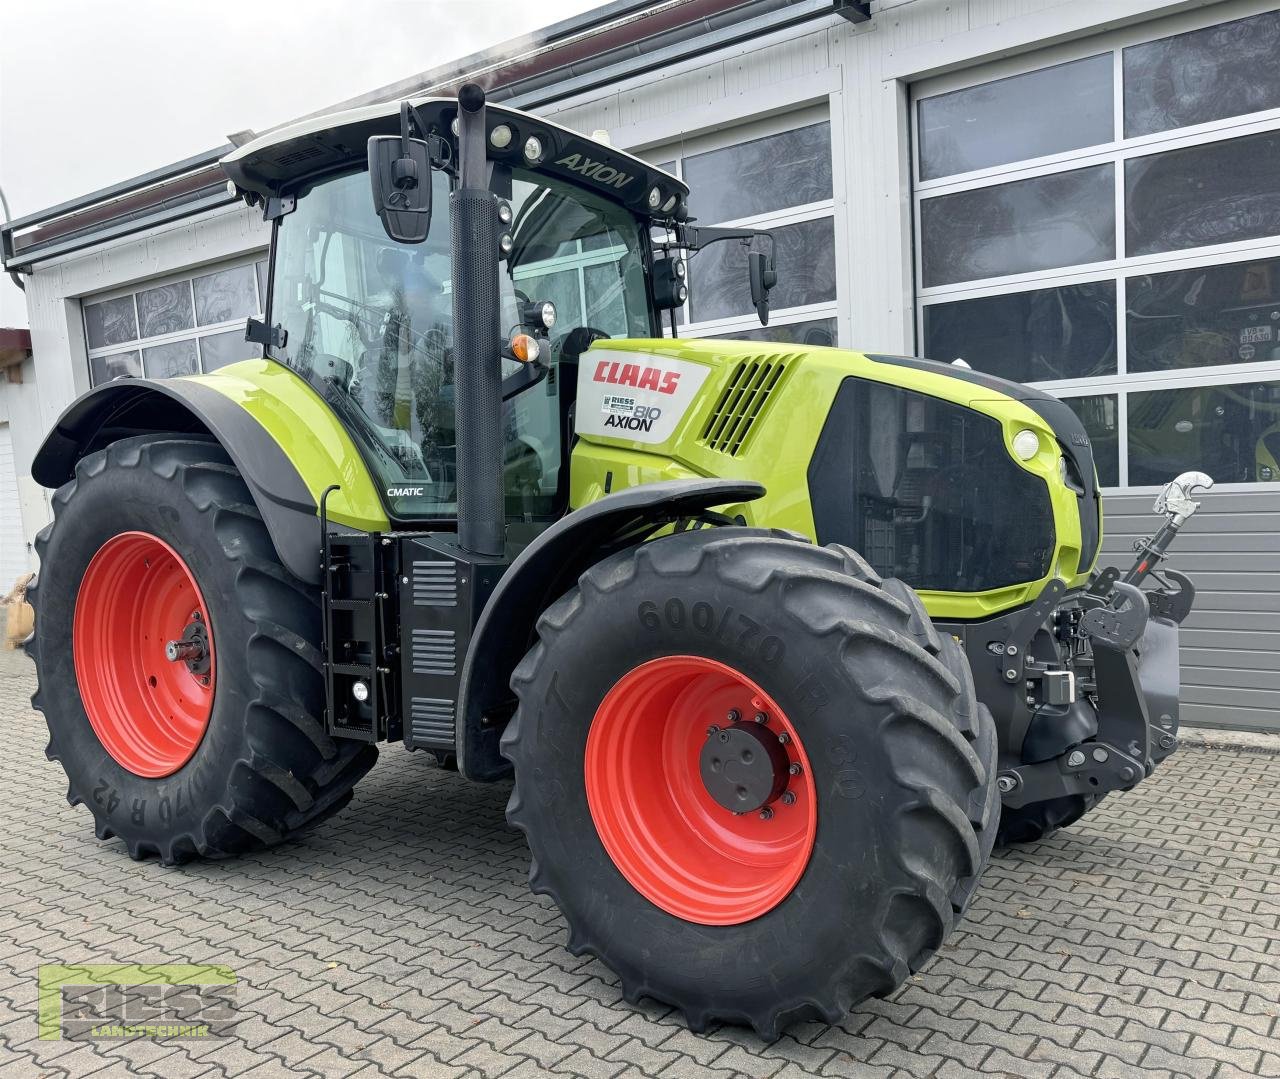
[
  {"x": 149, "y": 712},
  {"x": 675, "y": 843}
]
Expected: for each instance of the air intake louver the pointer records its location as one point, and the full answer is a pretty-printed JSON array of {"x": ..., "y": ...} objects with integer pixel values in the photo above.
[
  {"x": 741, "y": 403},
  {"x": 435, "y": 584}
]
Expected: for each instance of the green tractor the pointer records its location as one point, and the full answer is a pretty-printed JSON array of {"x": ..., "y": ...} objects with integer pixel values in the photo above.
[{"x": 778, "y": 641}]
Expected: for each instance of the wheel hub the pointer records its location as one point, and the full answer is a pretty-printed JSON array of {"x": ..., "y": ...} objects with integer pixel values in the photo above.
[{"x": 743, "y": 767}]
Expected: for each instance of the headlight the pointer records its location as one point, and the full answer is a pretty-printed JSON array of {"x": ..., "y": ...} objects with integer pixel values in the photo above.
[
  {"x": 500, "y": 137},
  {"x": 1026, "y": 444},
  {"x": 533, "y": 149}
]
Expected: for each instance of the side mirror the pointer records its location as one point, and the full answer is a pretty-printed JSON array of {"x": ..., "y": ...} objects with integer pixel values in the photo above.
[
  {"x": 400, "y": 170},
  {"x": 763, "y": 278}
]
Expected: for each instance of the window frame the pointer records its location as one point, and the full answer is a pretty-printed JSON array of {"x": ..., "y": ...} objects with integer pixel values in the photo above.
[
  {"x": 791, "y": 120},
  {"x": 1117, "y": 151},
  {"x": 195, "y": 333}
]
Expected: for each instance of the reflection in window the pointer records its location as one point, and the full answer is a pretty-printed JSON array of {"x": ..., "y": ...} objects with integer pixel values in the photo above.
[
  {"x": 818, "y": 331},
  {"x": 1045, "y": 334},
  {"x": 225, "y": 295},
  {"x": 1057, "y": 220},
  {"x": 1231, "y": 432},
  {"x": 171, "y": 359},
  {"x": 1224, "y": 70},
  {"x": 1216, "y": 193},
  {"x": 166, "y": 309},
  {"x": 1099, "y": 416},
  {"x": 111, "y": 322},
  {"x": 117, "y": 365},
  {"x": 1205, "y": 317},
  {"x": 792, "y": 168},
  {"x": 219, "y": 349},
  {"x": 1049, "y": 111},
  {"x": 806, "y": 262}
]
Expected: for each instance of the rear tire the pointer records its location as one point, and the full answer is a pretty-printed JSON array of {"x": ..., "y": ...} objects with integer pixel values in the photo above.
[
  {"x": 901, "y": 756},
  {"x": 1039, "y": 820},
  {"x": 262, "y": 768}
]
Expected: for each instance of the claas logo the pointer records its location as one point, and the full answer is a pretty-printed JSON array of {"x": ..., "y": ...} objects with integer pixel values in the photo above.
[{"x": 637, "y": 375}]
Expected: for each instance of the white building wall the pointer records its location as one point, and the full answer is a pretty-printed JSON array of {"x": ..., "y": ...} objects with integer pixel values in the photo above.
[{"x": 60, "y": 372}]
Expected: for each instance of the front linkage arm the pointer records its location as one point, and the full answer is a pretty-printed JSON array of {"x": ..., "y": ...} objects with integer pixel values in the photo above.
[{"x": 1134, "y": 638}]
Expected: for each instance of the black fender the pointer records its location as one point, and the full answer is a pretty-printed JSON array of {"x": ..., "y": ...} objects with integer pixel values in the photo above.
[
  {"x": 138, "y": 406},
  {"x": 543, "y": 572}
]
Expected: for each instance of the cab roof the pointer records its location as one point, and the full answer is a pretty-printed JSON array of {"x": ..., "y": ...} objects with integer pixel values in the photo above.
[{"x": 291, "y": 158}]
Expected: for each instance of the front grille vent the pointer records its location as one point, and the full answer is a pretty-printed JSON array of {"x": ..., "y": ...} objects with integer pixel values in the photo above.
[
  {"x": 435, "y": 584},
  {"x": 741, "y": 402}
]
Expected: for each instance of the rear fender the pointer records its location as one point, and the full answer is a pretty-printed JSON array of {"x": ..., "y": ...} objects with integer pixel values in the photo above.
[
  {"x": 543, "y": 572},
  {"x": 127, "y": 407}
]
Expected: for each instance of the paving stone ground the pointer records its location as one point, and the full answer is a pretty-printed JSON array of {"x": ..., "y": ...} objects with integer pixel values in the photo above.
[{"x": 400, "y": 939}]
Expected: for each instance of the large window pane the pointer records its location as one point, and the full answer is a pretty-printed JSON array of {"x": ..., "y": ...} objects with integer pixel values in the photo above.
[
  {"x": 1059, "y": 220},
  {"x": 1050, "y": 333},
  {"x": 117, "y": 365},
  {"x": 1204, "y": 317},
  {"x": 818, "y": 331},
  {"x": 788, "y": 169},
  {"x": 166, "y": 309},
  {"x": 720, "y": 287},
  {"x": 219, "y": 349},
  {"x": 1230, "y": 432},
  {"x": 1209, "y": 74},
  {"x": 170, "y": 360},
  {"x": 225, "y": 295},
  {"x": 1212, "y": 194},
  {"x": 1099, "y": 416},
  {"x": 111, "y": 322},
  {"x": 1042, "y": 112}
]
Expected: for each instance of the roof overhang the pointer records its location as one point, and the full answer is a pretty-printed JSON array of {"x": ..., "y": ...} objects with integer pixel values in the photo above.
[{"x": 290, "y": 159}]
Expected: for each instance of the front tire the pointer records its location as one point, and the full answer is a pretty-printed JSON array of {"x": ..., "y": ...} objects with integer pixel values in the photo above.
[
  {"x": 838, "y": 893},
  {"x": 155, "y": 540}
]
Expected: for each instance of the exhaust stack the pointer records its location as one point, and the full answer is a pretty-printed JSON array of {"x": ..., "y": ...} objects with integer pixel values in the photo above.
[{"x": 476, "y": 336}]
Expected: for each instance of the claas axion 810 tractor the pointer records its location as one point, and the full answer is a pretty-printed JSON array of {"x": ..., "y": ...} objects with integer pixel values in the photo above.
[{"x": 777, "y": 641}]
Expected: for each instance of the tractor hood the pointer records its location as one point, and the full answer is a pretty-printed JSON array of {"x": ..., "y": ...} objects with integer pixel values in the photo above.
[{"x": 288, "y": 160}]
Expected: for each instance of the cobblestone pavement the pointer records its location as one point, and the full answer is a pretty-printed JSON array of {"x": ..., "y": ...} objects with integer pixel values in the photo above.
[{"x": 400, "y": 939}]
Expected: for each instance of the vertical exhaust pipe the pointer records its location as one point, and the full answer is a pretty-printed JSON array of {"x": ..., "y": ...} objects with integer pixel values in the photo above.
[{"x": 476, "y": 336}]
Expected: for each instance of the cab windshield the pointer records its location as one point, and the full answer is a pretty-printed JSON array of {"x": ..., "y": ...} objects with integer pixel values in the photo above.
[{"x": 369, "y": 323}]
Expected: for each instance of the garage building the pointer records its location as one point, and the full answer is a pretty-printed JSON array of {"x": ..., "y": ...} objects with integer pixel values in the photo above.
[{"x": 1081, "y": 196}]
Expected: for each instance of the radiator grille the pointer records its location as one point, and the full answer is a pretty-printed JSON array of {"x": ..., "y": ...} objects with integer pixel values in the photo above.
[
  {"x": 435, "y": 584},
  {"x": 431, "y": 719},
  {"x": 741, "y": 402},
  {"x": 435, "y": 651}
]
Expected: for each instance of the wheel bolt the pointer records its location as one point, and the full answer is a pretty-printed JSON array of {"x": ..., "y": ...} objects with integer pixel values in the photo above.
[
  {"x": 794, "y": 769},
  {"x": 784, "y": 738},
  {"x": 712, "y": 731},
  {"x": 761, "y": 718},
  {"x": 766, "y": 813},
  {"x": 732, "y": 717},
  {"x": 788, "y": 798}
]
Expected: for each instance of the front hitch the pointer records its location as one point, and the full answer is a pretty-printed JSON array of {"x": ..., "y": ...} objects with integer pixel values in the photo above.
[{"x": 1133, "y": 634}]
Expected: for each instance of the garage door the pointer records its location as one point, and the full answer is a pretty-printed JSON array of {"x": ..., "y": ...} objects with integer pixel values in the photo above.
[{"x": 13, "y": 548}]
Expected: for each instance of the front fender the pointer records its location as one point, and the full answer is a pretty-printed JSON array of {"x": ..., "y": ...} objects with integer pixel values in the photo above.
[
  {"x": 543, "y": 572},
  {"x": 282, "y": 437}
]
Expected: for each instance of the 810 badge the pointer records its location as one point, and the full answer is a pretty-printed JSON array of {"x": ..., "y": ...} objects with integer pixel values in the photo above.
[{"x": 623, "y": 413}]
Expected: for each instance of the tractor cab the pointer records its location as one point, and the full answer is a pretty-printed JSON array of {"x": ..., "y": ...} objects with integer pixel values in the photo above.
[{"x": 361, "y": 300}]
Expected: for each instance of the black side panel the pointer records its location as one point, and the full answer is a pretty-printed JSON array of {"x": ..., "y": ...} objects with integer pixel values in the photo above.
[
  {"x": 129, "y": 407},
  {"x": 1066, "y": 424},
  {"x": 442, "y": 590},
  {"x": 543, "y": 572}
]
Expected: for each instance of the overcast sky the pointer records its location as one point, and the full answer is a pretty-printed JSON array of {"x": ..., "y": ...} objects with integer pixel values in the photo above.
[{"x": 95, "y": 91}]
